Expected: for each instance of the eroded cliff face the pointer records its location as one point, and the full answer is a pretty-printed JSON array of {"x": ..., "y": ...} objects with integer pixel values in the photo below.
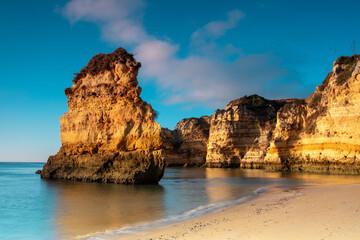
[
  {"x": 317, "y": 134},
  {"x": 109, "y": 133},
  {"x": 186, "y": 145},
  {"x": 240, "y": 134},
  {"x": 321, "y": 134}
]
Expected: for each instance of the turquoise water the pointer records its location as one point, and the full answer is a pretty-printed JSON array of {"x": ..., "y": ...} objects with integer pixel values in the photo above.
[{"x": 32, "y": 208}]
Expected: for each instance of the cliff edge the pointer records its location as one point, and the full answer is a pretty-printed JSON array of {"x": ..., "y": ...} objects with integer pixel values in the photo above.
[
  {"x": 240, "y": 133},
  {"x": 109, "y": 133},
  {"x": 321, "y": 134},
  {"x": 318, "y": 134}
]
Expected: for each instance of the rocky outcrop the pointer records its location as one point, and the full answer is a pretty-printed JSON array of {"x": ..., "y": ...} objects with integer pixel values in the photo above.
[
  {"x": 321, "y": 134},
  {"x": 186, "y": 145},
  {"x": 109, "y": 133},
  {"x": 240, "y": 134}
]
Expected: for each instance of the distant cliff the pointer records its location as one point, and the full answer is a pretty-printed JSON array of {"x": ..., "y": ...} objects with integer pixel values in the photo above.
[
  {"x": 240, "y": 134},
  {"x": 316, "y": 134},
  {"x": 109, "y": 133},
  {"x": 187, "y": 143}
]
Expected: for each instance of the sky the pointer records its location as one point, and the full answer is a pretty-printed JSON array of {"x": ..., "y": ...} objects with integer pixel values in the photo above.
[{"x": 196, "y": 56}]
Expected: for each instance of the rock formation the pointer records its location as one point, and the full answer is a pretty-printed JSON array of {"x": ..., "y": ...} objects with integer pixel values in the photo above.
[
  {"x": 240, "y": 134},
  {"x": 321, "y": 134},
  {"x": 186, "y": 145},
  {"x": 109, "y": 133},
  {"x": 317, "y": 134}
]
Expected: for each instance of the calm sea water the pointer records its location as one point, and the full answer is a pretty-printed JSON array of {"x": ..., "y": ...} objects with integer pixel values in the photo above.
[{"x": 32, "y": 208}]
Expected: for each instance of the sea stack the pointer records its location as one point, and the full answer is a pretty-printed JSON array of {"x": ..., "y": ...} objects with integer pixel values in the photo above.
[{"x": 109, "y": 133}]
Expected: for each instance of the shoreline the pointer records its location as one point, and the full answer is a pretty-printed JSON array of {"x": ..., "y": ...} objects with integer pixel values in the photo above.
[
  {"x": 145, "y": 227},
  {"x": 310, "y": 212}
]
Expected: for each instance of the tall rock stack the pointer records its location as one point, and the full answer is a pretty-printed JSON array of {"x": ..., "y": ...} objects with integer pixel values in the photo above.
[{"x": 109, "y": 133}]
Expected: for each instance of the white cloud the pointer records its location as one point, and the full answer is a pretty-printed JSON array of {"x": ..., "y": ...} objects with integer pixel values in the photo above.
[
  {"x": 216, "y": 29},
  {"x": 207, "y": 77},
  {"x": 119, "y": 20},
  {"x": 124, "y": 31},
  {"x": 211, "y": 82}
]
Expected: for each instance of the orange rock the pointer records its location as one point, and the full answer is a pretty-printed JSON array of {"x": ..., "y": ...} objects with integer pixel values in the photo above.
[
  {"x": 107, "y": 117},
  {"x": 321, "y": 135}
]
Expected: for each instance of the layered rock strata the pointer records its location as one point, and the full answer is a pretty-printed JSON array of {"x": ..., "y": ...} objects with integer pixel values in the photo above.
[
  {"x": 109, "y": 133},
  {"x": 186, "y": 145},
  {"x": 241, "y": 133},
  {"x": 316, "y": 134},
  {"x": 321, "y": 134}
]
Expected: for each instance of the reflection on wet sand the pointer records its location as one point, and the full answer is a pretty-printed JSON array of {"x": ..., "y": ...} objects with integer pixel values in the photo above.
[
  {"x": 259, "y": 173},
  {"x": 87, "y": 208},
  {"x": 84, "y": 208},
  {"x": 323, "y": 179},
  {"x": 228, "y": 184},
  {"x": 220, "y": 190},
  {"x": 222, "y": 172},
  {"x": 304, "y": 178}
]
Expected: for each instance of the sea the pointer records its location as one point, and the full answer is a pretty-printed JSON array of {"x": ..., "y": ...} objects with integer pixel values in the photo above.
[{"x": 33, "y": 208}]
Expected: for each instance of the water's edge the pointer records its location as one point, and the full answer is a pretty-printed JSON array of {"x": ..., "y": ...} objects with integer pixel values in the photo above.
[{"x": 194, "y": 213}]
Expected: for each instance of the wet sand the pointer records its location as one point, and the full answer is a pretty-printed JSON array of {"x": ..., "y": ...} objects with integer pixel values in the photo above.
[{"x": 314, "y": 212}]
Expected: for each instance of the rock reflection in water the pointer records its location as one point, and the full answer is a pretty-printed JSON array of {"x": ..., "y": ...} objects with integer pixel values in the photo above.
[
  {"x": 84, "y": 208},
  {"x": 230, "y": 184},
  {"x": 87, "y": 208}
]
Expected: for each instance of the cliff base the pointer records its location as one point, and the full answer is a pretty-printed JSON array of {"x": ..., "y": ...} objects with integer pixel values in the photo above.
[{"x": 136, "y": 167}]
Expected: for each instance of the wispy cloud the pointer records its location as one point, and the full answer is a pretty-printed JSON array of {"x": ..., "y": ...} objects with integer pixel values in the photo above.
[
  {"x": 216, "y": 29},
  {"x": 199, "y": 78},
  {"x": 120, "y": 20}
]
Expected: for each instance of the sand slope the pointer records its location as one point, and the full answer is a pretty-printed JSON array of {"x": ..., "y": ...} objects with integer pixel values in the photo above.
[{"x": 316, "y": 212}]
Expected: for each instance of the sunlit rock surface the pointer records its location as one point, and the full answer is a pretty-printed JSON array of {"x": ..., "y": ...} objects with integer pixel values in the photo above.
[
  {"x": 186, "y": 145},
  {"x": 109, "y": 133},
  {"x": 240, "y": 134},
  {"x": 321, "y": 134}
]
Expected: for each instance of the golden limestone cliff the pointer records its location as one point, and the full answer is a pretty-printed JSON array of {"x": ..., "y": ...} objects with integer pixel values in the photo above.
[
  {"x": 321, "y": 134},
  {"x": 240, "y": 134},
  {"x": 109, "y": 133},
  {"x": 186, "y": 145}
]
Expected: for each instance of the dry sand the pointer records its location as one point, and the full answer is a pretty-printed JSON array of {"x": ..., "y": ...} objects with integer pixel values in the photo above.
[{"x": 316, "y": 212}]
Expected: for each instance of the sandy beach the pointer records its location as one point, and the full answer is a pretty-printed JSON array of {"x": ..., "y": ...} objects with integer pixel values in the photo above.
[{"x": 314, "y": 212}]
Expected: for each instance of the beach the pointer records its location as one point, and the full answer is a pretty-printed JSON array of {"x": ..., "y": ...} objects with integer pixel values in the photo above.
[
  {"x": 312, "y": 212},
  {"x": 189, "y": 203}
]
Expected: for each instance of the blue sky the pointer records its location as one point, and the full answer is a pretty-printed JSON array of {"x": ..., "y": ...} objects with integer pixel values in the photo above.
[{"x": 196, "y": 56}]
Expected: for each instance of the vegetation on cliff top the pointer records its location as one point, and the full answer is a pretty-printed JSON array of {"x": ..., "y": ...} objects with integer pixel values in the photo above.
[
  {"x": 102, "y": 62},
  {"x": 255, "y": 102},
  {"x": 346, "y": 73},
  {"x": 346, "y": 59}
]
